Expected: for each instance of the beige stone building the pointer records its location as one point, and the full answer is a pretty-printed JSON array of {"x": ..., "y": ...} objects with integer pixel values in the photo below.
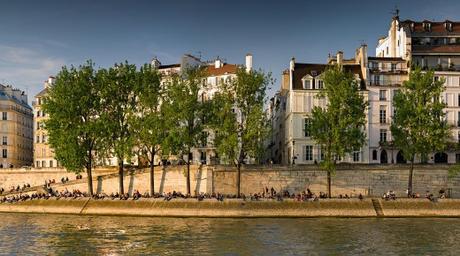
[
  {"x": 15, "y": 128},
  {"x": 43, "y": 154}
]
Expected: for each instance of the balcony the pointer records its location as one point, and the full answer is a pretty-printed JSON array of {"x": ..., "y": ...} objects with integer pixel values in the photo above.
[
  {"x": 388, "y": 70},
  {"x": 384, "y": 83}
]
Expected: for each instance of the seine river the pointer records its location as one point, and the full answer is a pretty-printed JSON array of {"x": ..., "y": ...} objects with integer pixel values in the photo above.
[{"x": 24, "y": 234}]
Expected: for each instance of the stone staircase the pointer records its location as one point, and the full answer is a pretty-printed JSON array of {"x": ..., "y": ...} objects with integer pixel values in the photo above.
[{"x": 378, "y": 207}]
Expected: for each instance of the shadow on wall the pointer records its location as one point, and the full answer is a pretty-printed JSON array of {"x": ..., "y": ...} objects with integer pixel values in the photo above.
[
  {"x": 198, "y": 176},
  {"x": 99, "y": 185}
]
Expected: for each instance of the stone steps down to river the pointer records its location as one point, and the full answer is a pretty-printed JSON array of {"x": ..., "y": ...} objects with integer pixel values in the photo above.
[{"x": 239, "y": 208}]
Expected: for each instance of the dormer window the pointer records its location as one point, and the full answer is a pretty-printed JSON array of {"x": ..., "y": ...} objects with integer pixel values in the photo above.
[
  {"x": 448, "y": 26},
  {"x": 307, "y": 83},
  {"x": 319, "y": 84},
  {"x": 427, "y": 26}
]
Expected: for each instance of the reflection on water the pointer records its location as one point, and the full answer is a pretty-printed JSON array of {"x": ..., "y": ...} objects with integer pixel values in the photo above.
[{"x": 26, "y": 234}]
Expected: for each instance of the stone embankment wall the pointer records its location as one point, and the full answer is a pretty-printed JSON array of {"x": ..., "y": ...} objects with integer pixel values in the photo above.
[
  {"x": 368, "y": 180},
  {"x": 235, "y": 208}
]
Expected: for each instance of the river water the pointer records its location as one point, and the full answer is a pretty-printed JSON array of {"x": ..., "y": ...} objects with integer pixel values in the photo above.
[{"x": 35, "y": 234}]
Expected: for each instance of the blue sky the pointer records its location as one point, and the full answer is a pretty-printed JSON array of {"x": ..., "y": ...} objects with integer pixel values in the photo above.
[{"x": 38, "y": 37}]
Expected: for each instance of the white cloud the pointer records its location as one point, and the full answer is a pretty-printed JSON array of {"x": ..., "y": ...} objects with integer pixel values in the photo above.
[{"x": 26, "y": 68}]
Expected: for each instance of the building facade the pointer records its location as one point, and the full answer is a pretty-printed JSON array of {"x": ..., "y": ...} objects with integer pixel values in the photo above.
[
  {"x": 16, "y": 126},
  {"x": 216, "y": 73},
  {"x": 301, "y": 83},
  {"x": 429, "y": 45},
  {"x": 43, "y": 153}
]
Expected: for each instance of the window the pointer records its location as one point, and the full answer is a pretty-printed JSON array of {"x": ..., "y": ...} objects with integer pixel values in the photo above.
[
  {"x": 320, "y": 84},
  {"x": 37, "y": 164},
  {"x": 4, "y": 116},
  {"x": 309, "y": 153},
  {"x": 376, "y": 80},
  {"x": 5, "y": 140},
  {"x": 307, "y": 84},
  {"x": 38, "y": 125},
  {"x": 458, "y": 137},
  {"x": 356, "y": 155},
  {"x": 383, "y": 95},
  {"x": 374, "y": 154},
  {"x": 458, "y": 119},
  {"x": 38, "y": 138},
  {"x": 43, "y": 164},
  {"x": 383, "y": 116},
  {"x": 387, "y": 51},
  {"x": 383, "y": 135},
  {"x": 307, "y": 127},
  {"x": 51, "y": 163},
  {"x": 393, "y": 66},
  {"x": 458, "y": 102},
  {"x": 4, "y": 153}
]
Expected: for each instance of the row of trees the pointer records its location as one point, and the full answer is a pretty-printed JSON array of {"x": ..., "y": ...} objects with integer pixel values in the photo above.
[
  {"x": 419, "y": 126},
  {"x": 124, "y": 111}
]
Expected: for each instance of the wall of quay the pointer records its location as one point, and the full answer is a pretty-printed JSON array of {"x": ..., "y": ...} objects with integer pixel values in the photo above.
[{"x": 369, "y": 180}]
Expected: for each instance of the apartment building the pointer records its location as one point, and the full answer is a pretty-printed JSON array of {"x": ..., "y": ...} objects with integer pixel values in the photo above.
[
  {"x": 16, "y": 126},
  {"x": 431, "y": 46},
  {"x": 43, "y": 153},
  {"x": 217, "y": 72}
]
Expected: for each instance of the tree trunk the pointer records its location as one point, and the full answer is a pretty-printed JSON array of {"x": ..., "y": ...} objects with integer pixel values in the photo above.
[
  {"x": 89, "y": 175},
  {"x": 90, "y": 181},
  {"x": 188, "y": 177},
  {"x": 411, "y": 174},
  {"x": 238, "y": 180},
  {"x": 152, "y": 178},
  {"x": 120, "y": 176},
  {"x": 329, "y": 184}
]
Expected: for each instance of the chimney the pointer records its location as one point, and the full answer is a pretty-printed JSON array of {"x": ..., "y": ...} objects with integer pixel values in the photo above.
[
  {"x": 291, "y": 73},
  {"x": 49, "y": 82},
  {"x": 217, "y": 63},
  {"x": 248, "y": 62},
  {"x": 155, "y": 63},
  {"x": 339, "y": 58}
]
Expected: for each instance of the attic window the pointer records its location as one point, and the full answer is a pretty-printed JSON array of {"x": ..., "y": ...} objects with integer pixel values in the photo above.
[
  {"x": 314, "y": 73},
  {"x": 448, "y": 26},
  {"x": 307, "y": 84},
  {"x": 427, "y": 26}
]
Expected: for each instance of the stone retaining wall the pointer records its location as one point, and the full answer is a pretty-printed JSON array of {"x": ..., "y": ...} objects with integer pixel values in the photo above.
[{"x": 368, "y": 180}]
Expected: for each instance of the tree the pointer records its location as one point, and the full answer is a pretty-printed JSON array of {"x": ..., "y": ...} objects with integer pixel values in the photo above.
[
  {"x": 186, "y": 111},
  {"x": 240, "y": 123},
  {"x": 338, "y": 128},
  {"x": 150, "y": 121},
  {"x": 118, "y": 84},
  {"x": 74, "y": 129},
  {"x": 419, "y": 126}
]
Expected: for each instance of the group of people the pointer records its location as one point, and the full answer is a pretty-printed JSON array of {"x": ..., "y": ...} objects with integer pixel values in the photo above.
[
  {"x": 389, "y": 195},
  {"x": 17, "y": 188}
]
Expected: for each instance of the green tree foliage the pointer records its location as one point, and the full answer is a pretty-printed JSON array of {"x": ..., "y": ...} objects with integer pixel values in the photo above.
[
  {"x": 186, "y": 112},
  {"x": 338, "y": 128},
  {"x": 239, "y": 121},
  {"x": 150, "y": 121},
  {"x": 419, "y": 126},
  {"x": 74, "y": 129},
  {"x": 118, "y": 85}
]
